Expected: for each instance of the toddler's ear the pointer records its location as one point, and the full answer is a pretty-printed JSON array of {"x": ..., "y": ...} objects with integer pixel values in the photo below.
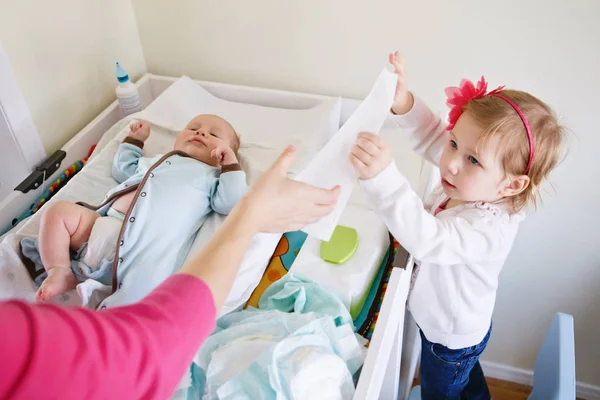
[{"x": 515, "y": 186}]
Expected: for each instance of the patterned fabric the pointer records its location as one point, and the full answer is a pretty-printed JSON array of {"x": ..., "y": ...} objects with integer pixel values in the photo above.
[
  {"x": 379, "y": 287},
  {"x": 286, "y": 252}
]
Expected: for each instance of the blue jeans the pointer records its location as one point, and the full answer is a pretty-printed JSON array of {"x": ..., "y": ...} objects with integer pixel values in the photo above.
[{"x": 449, "y": 374}]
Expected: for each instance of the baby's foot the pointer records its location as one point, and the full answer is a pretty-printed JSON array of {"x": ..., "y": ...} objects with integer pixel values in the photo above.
[{"x": 59, "y": 281}]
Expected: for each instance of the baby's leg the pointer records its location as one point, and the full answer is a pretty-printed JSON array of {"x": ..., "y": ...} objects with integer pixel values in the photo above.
[{"x": 64, "y": 226}]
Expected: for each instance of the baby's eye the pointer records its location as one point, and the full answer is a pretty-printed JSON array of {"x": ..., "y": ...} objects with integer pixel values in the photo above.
[
  {"x": 473, "y": 160},
  {"x": 453, "y": 144},
  {"x": 213, "y": 134}
]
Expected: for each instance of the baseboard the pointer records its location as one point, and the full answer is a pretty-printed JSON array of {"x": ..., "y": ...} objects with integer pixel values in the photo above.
[
  {"x": 525, "y": 377},
  {"x": 507, "y": 373}
]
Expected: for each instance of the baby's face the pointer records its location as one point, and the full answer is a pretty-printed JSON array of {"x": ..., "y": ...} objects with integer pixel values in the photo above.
[{"x": 203, "y": 134}]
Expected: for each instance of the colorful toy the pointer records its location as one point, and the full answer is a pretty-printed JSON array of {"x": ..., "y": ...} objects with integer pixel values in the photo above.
[{"x": 58, "y": 184}]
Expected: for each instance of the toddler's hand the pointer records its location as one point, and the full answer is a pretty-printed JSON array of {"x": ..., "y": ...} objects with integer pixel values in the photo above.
[
  {"x": 140, "y": 130},
  {"x": 370, "y": 155},
  {"x": 224, "y": 155},
  {"x": 403, "y": 99}
]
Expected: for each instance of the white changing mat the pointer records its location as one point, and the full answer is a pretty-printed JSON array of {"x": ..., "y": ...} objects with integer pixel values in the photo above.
[{"x": 93, "y": 182}]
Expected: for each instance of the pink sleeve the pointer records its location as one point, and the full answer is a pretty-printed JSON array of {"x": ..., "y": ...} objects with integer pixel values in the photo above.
[{"x": 137, "y": 351}]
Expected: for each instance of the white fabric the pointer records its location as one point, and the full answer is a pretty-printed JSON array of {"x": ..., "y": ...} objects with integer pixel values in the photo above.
[
  {"x": 460, "y": 252},
  {"x": 352, "y": 280},
  {"x": 332, "y": 165},
  {"x": 92, "y": 293},
  {"x": 264, "y": 131},
  {"x": 330, "y": 381},
  {"x": 308, "y": 368},
  {"x": 232, "y": 358},
  {"x": 15, "y": 282},
  {"x": 173, "y": 109}
]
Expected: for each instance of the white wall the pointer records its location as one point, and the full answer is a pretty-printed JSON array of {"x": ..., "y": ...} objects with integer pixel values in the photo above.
[
  {"x": 63, "y": 54},
  {"x": 550, "y": 48}
]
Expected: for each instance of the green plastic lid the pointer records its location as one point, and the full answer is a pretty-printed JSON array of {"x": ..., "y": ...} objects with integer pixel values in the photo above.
[{"x": 341, "y": 247}]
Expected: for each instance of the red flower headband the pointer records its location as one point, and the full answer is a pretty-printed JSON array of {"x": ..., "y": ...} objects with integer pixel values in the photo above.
[{"x": 461, "y": 95}]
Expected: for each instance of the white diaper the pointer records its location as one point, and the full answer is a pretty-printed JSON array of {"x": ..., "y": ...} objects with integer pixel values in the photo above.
[{"x": 102, "y": 242}]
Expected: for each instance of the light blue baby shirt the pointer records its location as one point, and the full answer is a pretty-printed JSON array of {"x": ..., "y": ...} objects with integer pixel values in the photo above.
[{"x": 174, "y": 195}]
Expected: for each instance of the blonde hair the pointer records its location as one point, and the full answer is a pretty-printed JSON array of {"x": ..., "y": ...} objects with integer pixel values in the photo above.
[{"x": 500, "y": 120}]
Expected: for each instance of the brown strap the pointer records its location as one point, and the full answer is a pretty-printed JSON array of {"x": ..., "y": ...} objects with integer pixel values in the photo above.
[
  {"x": 231, "y": 168},
  {"x": 109, "y": 199},
  {"x": 134, "y": 141},
  {"x": 139, "y": 188}
]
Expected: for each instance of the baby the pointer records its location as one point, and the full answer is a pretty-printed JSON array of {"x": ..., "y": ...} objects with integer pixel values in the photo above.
[{"x": 144, "y": 229}]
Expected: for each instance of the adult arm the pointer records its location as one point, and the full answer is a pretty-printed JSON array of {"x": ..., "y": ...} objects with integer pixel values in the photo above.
[{"x": 143, "y": 350}]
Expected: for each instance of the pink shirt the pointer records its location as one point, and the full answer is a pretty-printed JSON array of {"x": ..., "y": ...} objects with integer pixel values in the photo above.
[{"x": 137, "y": 351}]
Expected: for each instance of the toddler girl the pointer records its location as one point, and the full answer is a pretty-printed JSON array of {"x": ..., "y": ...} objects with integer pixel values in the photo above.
[{"x": 493, "y": 155}]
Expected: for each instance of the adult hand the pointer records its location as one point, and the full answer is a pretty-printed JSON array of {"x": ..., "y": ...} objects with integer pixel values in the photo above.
[{"x": 276, "y": 203}]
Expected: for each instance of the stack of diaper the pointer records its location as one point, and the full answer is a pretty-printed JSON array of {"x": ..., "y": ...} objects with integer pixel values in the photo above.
[{"x": 300, "y": 344}]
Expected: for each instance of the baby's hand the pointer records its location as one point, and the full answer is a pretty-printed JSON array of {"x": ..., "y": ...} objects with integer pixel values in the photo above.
[
  {"x": 403, "y": 99},
  {"x": 140, "y": 130},
  {"x": 370, "y": 155},
  {"x": 224, "y": 155}
]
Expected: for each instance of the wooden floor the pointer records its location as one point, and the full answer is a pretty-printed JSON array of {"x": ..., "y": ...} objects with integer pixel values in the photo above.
[{"x": 503, "y": 390}]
